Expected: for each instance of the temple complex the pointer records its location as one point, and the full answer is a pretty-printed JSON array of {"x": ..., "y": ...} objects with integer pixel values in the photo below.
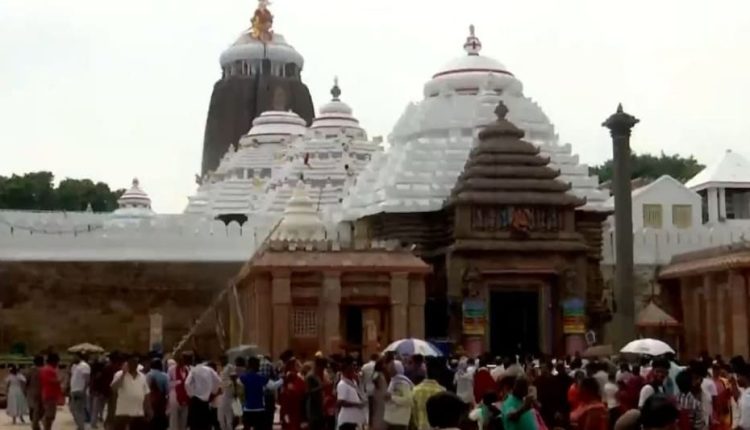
[
  {"x": 309, "y": 291},
  {"x": 260, "y": 72},
  {"x": 402, "y": 195}
]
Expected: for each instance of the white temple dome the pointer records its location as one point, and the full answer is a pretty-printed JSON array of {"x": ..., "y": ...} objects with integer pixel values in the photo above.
[
  {"x": 246, "y": 48},
  {"x": 134, "y": 208},
  {"x": 259, "y": 43},
  {"x": 301, "y": 221},
  {"x": 336, "y": 113},
  {"x": 272, "y": 123},
  {"x": 134, "y": 198},
  {"x": 468, "y": 73}
]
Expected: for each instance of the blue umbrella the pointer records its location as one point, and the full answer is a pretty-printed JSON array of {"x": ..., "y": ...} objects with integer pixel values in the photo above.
[{"x": 413, "y": 346}]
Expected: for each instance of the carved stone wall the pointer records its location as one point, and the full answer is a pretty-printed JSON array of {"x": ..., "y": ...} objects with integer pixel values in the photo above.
[{"x": 59, "y": 304}]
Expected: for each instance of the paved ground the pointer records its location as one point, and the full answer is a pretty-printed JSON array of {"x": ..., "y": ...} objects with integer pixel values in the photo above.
[{"x": 64, "y": 421}]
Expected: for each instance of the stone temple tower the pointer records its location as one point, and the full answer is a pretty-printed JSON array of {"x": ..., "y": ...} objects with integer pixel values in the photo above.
[{"x": 260, "y": 72}]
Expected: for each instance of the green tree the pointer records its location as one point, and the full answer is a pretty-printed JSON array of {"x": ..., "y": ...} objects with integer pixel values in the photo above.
[
  {"x": 649, "y": 166},
  {"x": 36, "y": 191}
]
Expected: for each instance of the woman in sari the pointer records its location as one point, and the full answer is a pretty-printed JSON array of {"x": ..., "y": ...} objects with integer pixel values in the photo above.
[
  {"x": 292, "y": 397},
  {"x": 591, "y": 413},
  {"x": 722, "y": 404}
]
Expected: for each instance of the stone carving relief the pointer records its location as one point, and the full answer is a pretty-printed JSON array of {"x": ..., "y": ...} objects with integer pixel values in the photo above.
[
  {"x": 510, "y": 218},
  {"x": 472, "y": 282}
]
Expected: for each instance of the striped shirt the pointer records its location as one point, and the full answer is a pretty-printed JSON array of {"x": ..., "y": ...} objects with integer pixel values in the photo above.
[
  {"x": 421, "y": 393},
  {"x": 690, "y": 411}
]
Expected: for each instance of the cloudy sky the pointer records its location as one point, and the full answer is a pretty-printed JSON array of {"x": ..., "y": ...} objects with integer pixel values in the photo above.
[{"x": 115, "y": 89}]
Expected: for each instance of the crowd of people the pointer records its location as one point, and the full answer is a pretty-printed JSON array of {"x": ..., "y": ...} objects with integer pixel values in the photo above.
[{"x": 388, "y": 392}]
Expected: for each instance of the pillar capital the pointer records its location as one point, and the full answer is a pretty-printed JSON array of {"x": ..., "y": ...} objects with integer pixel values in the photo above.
[{"x": 620, "y": 123}]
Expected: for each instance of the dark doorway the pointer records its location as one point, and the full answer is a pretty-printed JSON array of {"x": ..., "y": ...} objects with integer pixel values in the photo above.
[
  {"x": 353, "y": 326},
  {"x": 514, "y": 323}
]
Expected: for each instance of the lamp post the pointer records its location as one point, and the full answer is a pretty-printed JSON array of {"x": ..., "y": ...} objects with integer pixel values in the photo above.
[{"x": 620, "y": 125}]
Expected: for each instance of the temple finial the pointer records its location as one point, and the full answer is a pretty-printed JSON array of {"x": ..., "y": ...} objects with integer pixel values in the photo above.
[
  {"x": 472, "y": 46},
  {"x": 501, "y": 110},
  {"x": 619, "y": 108},
  {"x": 135, "y": 182},
  {"x": 336, "y": 91}
]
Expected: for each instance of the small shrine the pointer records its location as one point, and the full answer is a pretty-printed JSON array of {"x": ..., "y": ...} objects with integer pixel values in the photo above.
[{"x": 307, "y": 292}]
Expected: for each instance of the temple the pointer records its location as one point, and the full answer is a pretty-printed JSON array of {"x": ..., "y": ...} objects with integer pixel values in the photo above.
[
  {"x": 473, "y": 215},
  {"x": 402, "y": 196},
  {"x": 260, "y": 72},
  {"x": 310, "y": 291}
]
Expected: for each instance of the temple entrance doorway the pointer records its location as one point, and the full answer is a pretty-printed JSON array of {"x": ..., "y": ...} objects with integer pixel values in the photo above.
[
  {"x": 514, "y": 322},
  {"x": 353, "y": 327}
]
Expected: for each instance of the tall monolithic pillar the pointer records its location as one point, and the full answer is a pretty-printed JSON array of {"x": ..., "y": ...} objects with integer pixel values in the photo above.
[
  {"x": 620, "y": 125},
  {"x": 399, "y": 306},
  {"x": 263, "y": 313},
  {"x": 281, "y": 294},
  {"x": 738, "y": 293},
  {"x": 330, "y": 313},
  {"x": 416, "y": 307}
]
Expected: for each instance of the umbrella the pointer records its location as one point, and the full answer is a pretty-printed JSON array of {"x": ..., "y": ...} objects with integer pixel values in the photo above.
[
  {"x": 598, "y": 351},
  {"x": 86, "y": 348},
  {"x": 242, "y": 351},
  {"x": 412, "y": 346},
  {"x": 652, "y": 347}
]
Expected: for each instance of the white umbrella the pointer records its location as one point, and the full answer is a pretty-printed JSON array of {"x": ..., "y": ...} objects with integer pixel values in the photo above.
[
  {"x": 652, "y": 347},
  {"x": 411, "y": 346},
  {"x": 86, "y": 348}
]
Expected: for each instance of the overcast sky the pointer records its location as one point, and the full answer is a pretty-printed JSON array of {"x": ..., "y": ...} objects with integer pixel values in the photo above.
[{"x": 110, "y": 89}]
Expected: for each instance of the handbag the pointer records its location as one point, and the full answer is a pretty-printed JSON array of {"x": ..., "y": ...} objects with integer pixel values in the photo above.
[{"x": 237, "y": 408}]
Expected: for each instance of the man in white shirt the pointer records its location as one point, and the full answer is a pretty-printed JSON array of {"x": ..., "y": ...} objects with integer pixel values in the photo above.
[
  {"x": 659, "y": 373},
  {"x": 80, "y": 373},
  {"x": 350, "y": 399},
  {"x": 201, "y": 384},
  {"x": 132, "y": 408},
  {"x": 709, "y": 394}
]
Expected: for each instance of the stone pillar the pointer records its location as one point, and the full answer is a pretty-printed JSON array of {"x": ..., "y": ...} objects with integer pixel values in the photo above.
[
  {"x": 713, "y": 205},
  {"x": 712, "y": 320},
  {"x": 399, "y": 304},
  {"x": 281, "y": 294},
  {"x": 416, "y": 307},
  {"x": 690, "y": 320},
  {"x": 620, "y": 125},
  {"x": 263, "y": 313},
  {"x": 722, "y": 203},
  {"x": 738, "y": 294},
  {"x": 330, "y": 313}
]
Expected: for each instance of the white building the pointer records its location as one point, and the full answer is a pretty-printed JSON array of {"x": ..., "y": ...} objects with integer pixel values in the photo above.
[{"x": 725, "y": 189}]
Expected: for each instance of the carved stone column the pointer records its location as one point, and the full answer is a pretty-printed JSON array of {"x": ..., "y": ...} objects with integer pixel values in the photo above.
[
  {"x": 330, "y": 313},
  {"x": 263, "y": 313},
  {"x": 738, "y": 294},
  {"x": 399, "y": 303},
  {"x": 282, "y": 300},
  {"x": 416, "y": 307},
  {"x": 712, "y": 320}
]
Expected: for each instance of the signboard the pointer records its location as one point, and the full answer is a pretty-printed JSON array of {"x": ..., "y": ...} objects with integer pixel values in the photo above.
[
  {"x": 156, "y": 332},
  {"x": 474, "y": 317},
  {"x": 574, "y": 316}
]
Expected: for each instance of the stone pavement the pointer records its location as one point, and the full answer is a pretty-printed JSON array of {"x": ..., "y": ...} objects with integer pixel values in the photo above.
[{"x": 64, "y": 421}]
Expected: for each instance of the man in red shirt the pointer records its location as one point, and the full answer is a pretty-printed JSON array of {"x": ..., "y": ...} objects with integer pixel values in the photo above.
[{"x": 51, "y": 390}]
